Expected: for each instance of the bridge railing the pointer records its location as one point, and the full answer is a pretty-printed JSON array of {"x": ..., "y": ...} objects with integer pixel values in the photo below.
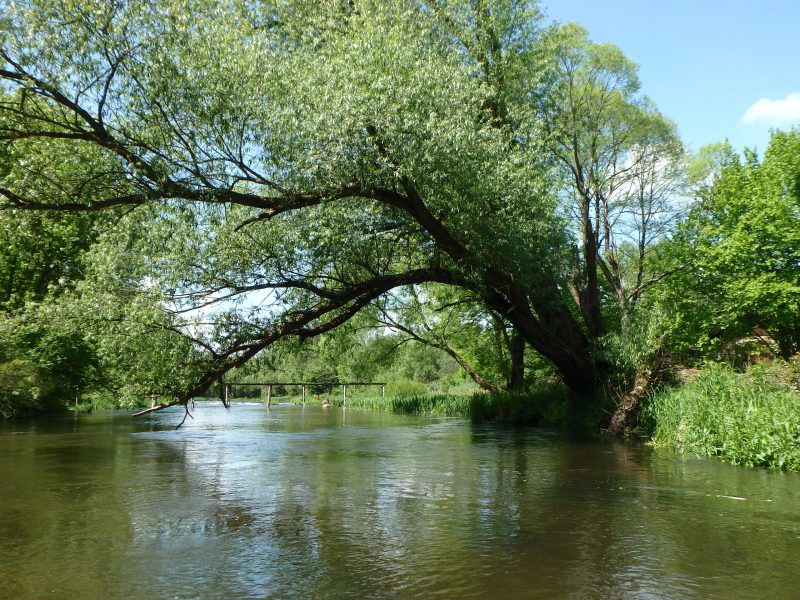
[{"x": 302, "y": 384}]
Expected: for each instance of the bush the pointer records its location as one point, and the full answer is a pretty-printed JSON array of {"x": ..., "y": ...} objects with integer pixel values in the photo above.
[
  {"x": 748, "y": 418},
  {"x": 23, "y": 390},
  {"x": 518, "y": 408},
  {"x": 405, "y": 388},
  {"x": 101, "y": 401}
]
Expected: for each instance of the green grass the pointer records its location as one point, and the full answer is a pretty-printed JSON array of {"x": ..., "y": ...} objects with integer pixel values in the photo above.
[
  {"x": 748, "y": 418},
  {"x": 429, "y": 404},
  {"x": 552, "y": 406}
]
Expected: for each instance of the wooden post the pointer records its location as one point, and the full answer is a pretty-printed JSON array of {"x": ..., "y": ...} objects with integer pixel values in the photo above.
[
  {"x": 226, "y": 402},
  {"x": 269, "y": 395},
  {"x": 303, "y": 393},
  {"x": 383, "y": 391},
  {"x": 344, "y": 394}
]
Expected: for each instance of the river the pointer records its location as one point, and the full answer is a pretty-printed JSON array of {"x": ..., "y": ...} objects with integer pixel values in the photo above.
[{"x": 317, "y": 502}]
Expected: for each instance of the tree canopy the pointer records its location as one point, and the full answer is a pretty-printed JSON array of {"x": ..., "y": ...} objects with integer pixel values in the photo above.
[
  {"x": 272, "y": 169},
  {"x": 742, "y": 242}
]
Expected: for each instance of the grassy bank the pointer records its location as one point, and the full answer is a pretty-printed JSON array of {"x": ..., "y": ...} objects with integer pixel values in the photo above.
[
  {"x": 552, "y": 406},
  {"x": 444, "y": 405},
  {"x": 750, "y": 418}
]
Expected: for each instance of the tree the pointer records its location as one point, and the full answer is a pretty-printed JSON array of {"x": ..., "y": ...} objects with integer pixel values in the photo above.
[
  {"x": 483, "y": 345},
  {"x": 294, "y": 163},
  {"x": 40, "y": 253},
  {"x": 742, "y": 241},
  {"x": 620, "y": 168},
  {"x": 41, "y": 259}
]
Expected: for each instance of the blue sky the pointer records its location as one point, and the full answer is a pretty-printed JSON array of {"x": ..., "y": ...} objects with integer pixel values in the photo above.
[{"x": 718, "y": 68}]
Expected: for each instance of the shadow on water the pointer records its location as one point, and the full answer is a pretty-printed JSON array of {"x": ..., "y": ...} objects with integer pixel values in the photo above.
[{"x": 324, "y": 503}]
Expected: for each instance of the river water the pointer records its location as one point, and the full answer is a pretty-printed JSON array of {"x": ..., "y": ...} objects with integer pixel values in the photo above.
[{"x": 319, "y": 503}]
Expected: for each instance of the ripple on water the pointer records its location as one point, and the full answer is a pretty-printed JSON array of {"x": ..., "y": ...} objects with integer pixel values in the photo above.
[{"x": 319, "y": 503}]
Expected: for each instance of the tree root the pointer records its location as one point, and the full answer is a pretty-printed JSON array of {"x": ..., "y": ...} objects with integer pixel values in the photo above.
[{"x": 158, "y": 407}]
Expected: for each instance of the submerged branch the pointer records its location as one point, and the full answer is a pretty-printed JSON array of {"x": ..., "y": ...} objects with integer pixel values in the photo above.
[{"x": 158, "y": 407}]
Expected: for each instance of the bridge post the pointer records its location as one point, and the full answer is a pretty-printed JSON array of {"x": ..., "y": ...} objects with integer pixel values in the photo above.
[
  {"x": 344, "y": 394},
  {"x": 303, "y": 393},
  {"x": 383, "y": 391},
  {"x": 225, "y": 401},
  {"x": 269, "y": 395}
]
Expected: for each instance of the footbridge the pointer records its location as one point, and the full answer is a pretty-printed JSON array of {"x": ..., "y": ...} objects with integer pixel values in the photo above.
[{"x": 302, "y": 384}]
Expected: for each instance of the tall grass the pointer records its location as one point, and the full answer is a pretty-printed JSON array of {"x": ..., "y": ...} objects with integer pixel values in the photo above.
[
  {"x": 551, "y": 405},
  {"x": 429, "y": 404},
  {"x": 748, "y": 419}
]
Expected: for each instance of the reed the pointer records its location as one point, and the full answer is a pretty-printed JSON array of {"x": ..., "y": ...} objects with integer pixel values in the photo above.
[
  {"x": 429, "y": 404},
  {"x": 748, "y": 418},
  {"x": 552, "y": 405}
]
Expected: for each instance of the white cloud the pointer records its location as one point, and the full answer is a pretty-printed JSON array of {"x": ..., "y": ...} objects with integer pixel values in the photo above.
[{"x": 783, "y": 111}]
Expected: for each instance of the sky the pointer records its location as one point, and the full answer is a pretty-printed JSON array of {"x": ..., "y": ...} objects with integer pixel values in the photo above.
[{"x": 720, "y": 69}]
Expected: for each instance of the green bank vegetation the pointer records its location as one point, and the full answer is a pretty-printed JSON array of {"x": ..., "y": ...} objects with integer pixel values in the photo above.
[
  {"x": 449, "y": 197},
  {"x": 750, "y": 418}
]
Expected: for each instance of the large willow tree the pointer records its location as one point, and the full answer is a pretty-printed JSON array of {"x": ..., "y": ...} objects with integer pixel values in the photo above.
[{"x": 278, "y": 166}]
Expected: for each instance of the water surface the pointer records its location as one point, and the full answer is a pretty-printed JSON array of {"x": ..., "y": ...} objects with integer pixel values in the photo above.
[{"x": 316, "y": 503}]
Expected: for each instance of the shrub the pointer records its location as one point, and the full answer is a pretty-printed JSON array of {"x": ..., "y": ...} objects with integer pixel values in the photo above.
[
  {"x": 405, "y": 388},
  {"x": 23, "y": 390}
]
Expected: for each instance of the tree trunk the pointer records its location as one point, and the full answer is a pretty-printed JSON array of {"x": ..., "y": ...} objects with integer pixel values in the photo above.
[
  {"x": 565, "y": 345},
  {"x": 623, "y": 420},
  {"x": 553, "y": 332},
  {"x": 590, "y": 295},
  {"x": 516, "y": 379},
  {"x": 483, "y": 383}
]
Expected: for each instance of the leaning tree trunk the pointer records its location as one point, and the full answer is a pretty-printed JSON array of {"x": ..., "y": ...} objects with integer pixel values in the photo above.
[
  {"x": 483, "y": 383},
  {"x": 553, "y": 332},
  {"x": 624, "y": 419}
]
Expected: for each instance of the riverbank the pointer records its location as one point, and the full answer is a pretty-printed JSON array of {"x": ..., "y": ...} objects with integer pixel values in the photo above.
[
  {"x": 750, "y": 418},
  {"x": 551, "y": 406}
]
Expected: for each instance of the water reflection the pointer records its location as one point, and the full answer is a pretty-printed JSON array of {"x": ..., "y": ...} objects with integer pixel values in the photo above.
[{"x": 313, "y": 503}]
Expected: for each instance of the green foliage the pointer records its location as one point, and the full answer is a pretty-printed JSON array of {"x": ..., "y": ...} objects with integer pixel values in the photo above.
[
  {"x": 620, "y": 165},
  {"x": 544, "y": 406},
  {"x": 100, "y": 400},
  {"x": 708, "y": 163},
  {"x": 750, "y": 419},
  {"x": 140, "y": 351},
  {"x": 353, "y": 354},
  {"x": 406, "y": 388},
  {"x": 271, "y": 171},
  {"x": 790, "y": 373},
  {"x": 39, "y": 254},
  {"x": 422, "y": 404},
  {"x": 24, "y": 391},
  {"x": 267, "y": 198},
  {"x": 553, "y": 406},
  {"x": 63, "y": 362},
  {"x": 739, "y": 255}
]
